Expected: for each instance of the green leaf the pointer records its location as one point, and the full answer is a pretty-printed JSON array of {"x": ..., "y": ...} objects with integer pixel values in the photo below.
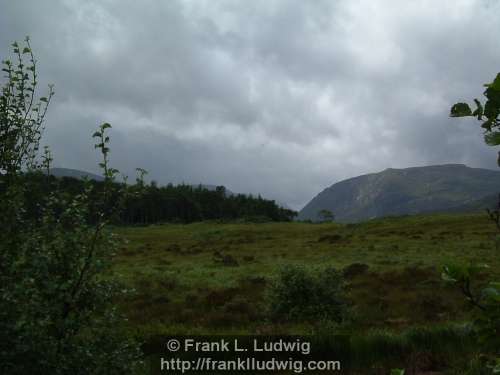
[
  {"x": 492, "y": 294},
  {"x": 454, "y": 273},
  {"x": 26, "y": 50},
  {"x": 495, "y": 85},
  {"x": 479, "y": 110},
  {"x": 492, "y": 106},
  {"x": 492, "y": 139},
  {"x": 448, "y": 278},
  {"x": 96, "y": 134},
  {"x": 487, "y": 124},
  {"x": 460, "y": 110},
  {"x": 105, "y": 126},
  {"x": 43, "y": 99},
  {"x": 473, "y": 269}
]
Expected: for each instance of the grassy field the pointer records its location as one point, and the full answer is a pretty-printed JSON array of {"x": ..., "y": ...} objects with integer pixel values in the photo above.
[{"x": 212, "y": 278}]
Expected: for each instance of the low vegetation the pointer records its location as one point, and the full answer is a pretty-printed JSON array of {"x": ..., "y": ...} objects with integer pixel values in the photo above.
[
  {"x": 299, "y": 294},
  {"x": 391, "y": 269},
  {"x": 56, "y": 310}
]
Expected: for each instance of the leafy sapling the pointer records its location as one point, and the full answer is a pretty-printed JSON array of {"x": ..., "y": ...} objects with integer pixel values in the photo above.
[
  {"x": 56, "y": 308},
  {"x": 21, "y": 113},
  {"x": 487, "y": 301}
]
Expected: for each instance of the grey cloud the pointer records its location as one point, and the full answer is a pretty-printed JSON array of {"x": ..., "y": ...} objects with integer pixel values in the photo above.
[{"x": 281, "y": 98}]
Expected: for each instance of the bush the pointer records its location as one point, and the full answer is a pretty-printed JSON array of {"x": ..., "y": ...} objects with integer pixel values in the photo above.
[
  {"x": 56, "y": 312},
  {"x": 301, "y": 294},
  {"x": 487, "y": 302}
]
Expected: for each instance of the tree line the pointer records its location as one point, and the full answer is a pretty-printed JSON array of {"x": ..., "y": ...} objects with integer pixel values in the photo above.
[{"x": 144, "y": 204}]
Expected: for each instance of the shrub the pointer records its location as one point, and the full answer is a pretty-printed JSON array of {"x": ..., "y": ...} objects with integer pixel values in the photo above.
[
  {"x": 56, "y": 312},
  {"x": 487, "y": 301},
  {"x": 301, "y": 294}
]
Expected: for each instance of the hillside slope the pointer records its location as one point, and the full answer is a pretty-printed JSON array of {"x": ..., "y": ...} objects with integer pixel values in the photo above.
[
  {"x": 439, "y": 188},
  {"x": 75, "y": 173}
]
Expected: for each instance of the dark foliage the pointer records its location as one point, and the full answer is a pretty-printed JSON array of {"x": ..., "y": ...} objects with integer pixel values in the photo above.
[
  {"x": 487, "y": 300},
  {"x": 301, "y": 294},
  {"x": 56, "y": 312},
  {"x": 156, "y": 204}
]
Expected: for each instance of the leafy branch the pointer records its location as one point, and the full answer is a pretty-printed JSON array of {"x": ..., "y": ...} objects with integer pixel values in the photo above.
[
  {"x": 21, "y": 115},
  {"x": 488, "y": 300}
]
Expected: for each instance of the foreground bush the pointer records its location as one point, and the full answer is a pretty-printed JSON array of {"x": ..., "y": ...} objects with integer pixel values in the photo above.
[
  {"x": 299, "y": 294},
  {"x": 486, "y": 301},
  {"x": 56, "y": 313}
]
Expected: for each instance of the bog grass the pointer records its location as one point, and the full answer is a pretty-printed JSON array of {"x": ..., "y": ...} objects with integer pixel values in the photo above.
[
  {"x": 209, "y": 277},
  {"x": 212, "y": 278}
]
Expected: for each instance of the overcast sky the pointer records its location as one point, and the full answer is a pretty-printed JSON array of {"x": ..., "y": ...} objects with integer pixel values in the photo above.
[{"x": 282, "y": 98}]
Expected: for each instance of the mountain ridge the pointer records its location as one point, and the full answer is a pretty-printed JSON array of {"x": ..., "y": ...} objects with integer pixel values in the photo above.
[
  {"x": 413, "y": 190},
  {"x": 75, "y": 173}
]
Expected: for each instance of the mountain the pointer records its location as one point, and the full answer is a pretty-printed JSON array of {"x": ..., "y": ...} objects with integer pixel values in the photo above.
[
  {"x": 75, "y": 173},
  {"x": 393, "y": 192}
]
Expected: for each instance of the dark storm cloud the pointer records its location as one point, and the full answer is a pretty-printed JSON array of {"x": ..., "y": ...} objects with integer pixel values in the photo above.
[{"x": 278, "y": 97}]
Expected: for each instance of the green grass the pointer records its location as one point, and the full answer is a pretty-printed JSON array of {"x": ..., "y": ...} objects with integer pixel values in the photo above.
[
  {"x": 181, "y": 287},
  {"x": 211, "y": 278}
]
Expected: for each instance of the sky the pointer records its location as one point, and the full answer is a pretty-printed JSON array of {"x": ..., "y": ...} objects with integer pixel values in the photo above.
[{"x": 282, "y": 98}]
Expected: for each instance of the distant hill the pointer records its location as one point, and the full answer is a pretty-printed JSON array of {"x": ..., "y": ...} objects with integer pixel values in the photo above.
[
  {"x": 488, "y": 202},
  {"x": 393, "y": 192},
  {"x": 75, "y": 173}
]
